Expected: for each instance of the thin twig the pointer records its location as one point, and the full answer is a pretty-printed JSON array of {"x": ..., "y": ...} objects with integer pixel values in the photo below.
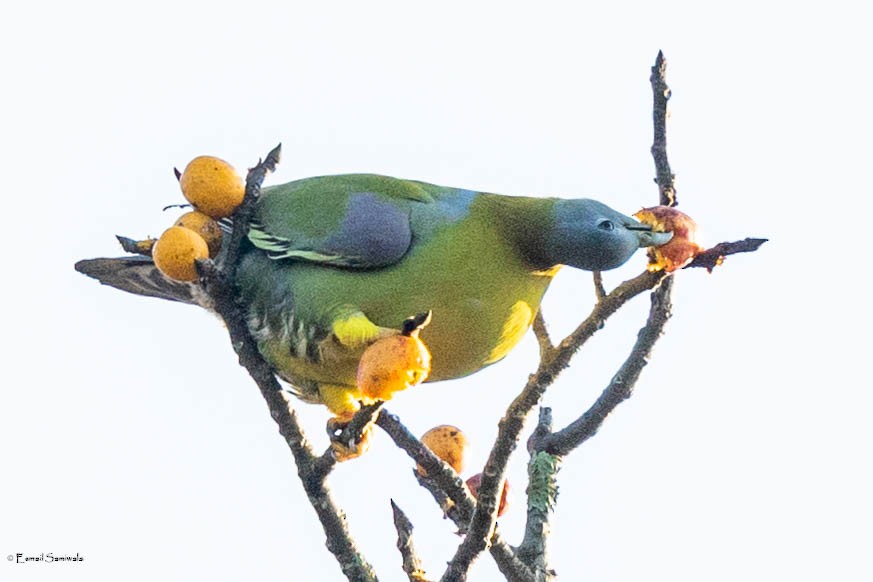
[
  {"x": 713, "y": 257},
  {"x": 541, "y": 332},
  {"x": 411, "y": 561},
  {"x": 599, "y": 290},
  {"x": 661, "y": 93}
]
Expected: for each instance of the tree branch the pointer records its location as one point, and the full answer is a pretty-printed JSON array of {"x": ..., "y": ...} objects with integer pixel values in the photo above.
[
  {"x": 542, "y": 494},
  {"x": 228, "y": 258},
  {"x": 451, "y": 494},
  {"x": 541, "y": 332},
  {"x": 547, "y": 448},
  {"x": 622, "y": 384},
  {"x": 661, "y": 93},
  {"x": 218, "y": 283},
  {"x": 713, "y": 257},
  {"x": 411, "y": 562},
  {"x": 512, "y": 423},
  {"x": 437, "y": 471},
  {"x": 599, "y": 289}
]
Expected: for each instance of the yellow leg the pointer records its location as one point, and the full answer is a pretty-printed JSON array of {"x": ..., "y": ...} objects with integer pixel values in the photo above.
[{"x": 343, "y": 401}]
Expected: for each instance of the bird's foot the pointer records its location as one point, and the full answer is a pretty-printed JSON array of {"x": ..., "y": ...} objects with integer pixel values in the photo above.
[
  {"x": 351, "y": 434},
  {"x": 345, "y": 450}
]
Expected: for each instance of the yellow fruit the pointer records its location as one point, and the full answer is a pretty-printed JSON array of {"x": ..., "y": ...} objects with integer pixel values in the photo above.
[
  {"x": 212, "y": 186},
  {"x": 175, "y": 252},
  {"x": 392, "y": 364},
  {"x": 447, "y": 442},
  {"x": 205, "y": 226}
]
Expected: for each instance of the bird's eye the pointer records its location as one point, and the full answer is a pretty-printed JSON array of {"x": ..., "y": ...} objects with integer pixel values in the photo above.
[{"x": 606, "y": 225}]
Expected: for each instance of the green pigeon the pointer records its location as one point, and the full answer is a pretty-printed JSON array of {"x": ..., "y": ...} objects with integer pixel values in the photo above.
[{"x": 334, "y": 263}]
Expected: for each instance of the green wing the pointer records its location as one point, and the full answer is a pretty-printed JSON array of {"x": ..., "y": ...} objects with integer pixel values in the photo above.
[{"x": 351, "y": 220}]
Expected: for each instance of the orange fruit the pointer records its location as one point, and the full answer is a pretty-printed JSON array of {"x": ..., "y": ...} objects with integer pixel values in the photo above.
[
  {"x": 175, "y": 252},
  {"x": 447, "y": 442},
  {"x": 205, "y": 226},
  {"x": 394, "y": 363},
  {"x": 212, "y": 186}
]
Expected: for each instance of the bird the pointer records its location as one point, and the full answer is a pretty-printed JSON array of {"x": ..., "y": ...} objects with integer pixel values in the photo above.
[{"x": 332, "y": 264}]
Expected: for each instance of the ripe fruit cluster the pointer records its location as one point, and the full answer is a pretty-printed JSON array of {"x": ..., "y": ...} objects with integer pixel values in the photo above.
[
  {"x": 450, "y": 444},
  {"x": 215, "y": 190}
]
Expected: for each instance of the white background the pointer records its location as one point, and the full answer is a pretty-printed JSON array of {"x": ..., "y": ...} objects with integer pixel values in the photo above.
[{"x": 129, "y": 434}]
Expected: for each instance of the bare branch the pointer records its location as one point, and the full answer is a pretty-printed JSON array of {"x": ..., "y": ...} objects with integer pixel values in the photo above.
[
  {"x": 541, "y": 332},
  {"x": 218, "y": 283},
  {"x": 543, "y": 428},
  {"x": 622, "y": 384},
  {"x": 228, "y": 258},
  {"x": 661, "y": 92},
  {"x": 713, "y": 257},
  {"x": 547, "y": 448},
  {"x": 451, "y": 494},
  {"x": 599, "y": 290},
  {"x": 411, "y": 562},
  {"x": 310, "y": 470},
  {"x": 507, "y": 560},
  {"x": 323, "y": 465},
  {"x": 437, "y": 471},
  {"x": 512, "y": 423}
]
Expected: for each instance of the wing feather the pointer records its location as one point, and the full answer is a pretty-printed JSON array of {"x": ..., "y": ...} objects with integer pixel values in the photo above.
[{"x": 356, "y": 220}]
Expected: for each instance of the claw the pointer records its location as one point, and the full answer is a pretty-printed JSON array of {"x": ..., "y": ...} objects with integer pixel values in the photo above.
[{"x": 354, "y": 445}]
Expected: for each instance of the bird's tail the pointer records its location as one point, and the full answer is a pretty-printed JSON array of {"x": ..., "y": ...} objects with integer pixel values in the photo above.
[{"x": 138, "y": 275}]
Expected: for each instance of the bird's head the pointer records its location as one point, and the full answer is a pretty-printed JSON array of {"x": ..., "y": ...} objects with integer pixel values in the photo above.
[{"x": 590, "y": 235}]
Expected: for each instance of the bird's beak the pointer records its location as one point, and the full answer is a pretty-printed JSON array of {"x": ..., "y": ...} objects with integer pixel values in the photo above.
[
  {"x": 647, "y": 237},
  {"x": 654, "y": 239}
]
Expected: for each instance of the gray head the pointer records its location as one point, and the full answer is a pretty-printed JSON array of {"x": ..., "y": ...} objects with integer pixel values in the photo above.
[{"x": 590, "y": 235}]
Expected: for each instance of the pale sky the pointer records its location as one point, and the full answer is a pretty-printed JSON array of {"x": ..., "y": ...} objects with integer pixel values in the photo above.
[{"x": 129, "y": 433}]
